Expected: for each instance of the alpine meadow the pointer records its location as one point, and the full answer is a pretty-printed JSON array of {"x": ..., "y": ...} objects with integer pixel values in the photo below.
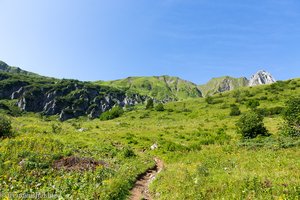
[
  {"x": 140, "y": 100},
  {"x": 239, "y": 144}
]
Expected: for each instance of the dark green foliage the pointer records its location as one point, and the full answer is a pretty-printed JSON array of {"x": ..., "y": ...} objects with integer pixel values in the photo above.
[
  {"x": 149, "y": 104},
  {"x": 250, "y": 125},
  {"x": 275, "y": 110},
  {"x": 291, "y": 116},
  {"x": 159, "y": 107},
  {"x": 5, "y": 127},
  {"x": 128, "y": 152},
  {"x": 278, "y": 86},
  {"x": 252, "y": 104},
  {"x": 209, "y": 100},
  {"x": 234, "y": 110},
  {"x": 9, "y": 107},
  {"x": 263, "y": 98},
  {"x": 269, "y": 112},
  {"x": 115, "y": 112}
]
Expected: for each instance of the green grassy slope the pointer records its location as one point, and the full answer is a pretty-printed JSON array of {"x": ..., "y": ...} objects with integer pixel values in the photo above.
[
  {"x": 204, "y": 157},
  {"x": 16, "y": 70},
  {"x": 217, "y": 85},
  {"x": 159, "y": 87}
]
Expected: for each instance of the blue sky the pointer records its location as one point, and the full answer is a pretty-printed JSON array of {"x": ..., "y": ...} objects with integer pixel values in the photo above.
[{"x": 110, "y": 39}]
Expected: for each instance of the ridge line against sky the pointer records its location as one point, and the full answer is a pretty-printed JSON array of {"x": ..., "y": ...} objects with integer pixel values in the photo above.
[{"x": 192, "y": 39}]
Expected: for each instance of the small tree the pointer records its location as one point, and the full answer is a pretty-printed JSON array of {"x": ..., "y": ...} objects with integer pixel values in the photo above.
[
  {"x": 159, "y": 107},
  {"x": 250, "y": 125},
  {"x": 291, "y": 115},
  {"x": 149, "y": 104},
  {"x": 5, "y": 127},
  {"x": 235, "y": 110}
]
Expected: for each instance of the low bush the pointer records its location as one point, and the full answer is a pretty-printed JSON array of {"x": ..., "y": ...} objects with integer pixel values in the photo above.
[
  {"x": 252, "y": 104},
  {"x": 209, "y": 100},
  {"x": 250, "y": 125},
  {"x": 128, "y": 152},
  {"x": 291, "y": 116},
  {"x": 159, "y": 107},
  {"x": 115, "y": 112},
  {"x": 149, "y": 104},
  {"x": 5, "y": 127},
  {"x": 235, "y": 110}
]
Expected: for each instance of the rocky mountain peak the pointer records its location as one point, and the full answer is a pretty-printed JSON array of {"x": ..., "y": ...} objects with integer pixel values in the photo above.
[{"x": 261, "y": 77}]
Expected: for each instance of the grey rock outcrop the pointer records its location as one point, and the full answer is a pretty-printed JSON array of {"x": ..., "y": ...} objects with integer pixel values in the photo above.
[
  {"x": 260, "y": 78},
  {"x": 73, "y": 100}
]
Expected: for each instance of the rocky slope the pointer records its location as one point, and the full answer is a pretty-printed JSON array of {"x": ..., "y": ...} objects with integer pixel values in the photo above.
[
  {"x": 66, "y": 98},
  {"x": 72, "y": 99},
  {"x": 260, "y": 78},
  {"x": 163, "y": 88},
  {"x": 227, "y": 83}
]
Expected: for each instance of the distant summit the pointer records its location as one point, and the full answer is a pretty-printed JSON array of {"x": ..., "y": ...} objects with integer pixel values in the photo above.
[
  {"x": 261, "y": 78},
  {"x": 227, "y": 83}
]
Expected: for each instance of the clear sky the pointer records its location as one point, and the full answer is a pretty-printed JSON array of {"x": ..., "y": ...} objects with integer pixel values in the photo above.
[{"x": 111, "y": 39}]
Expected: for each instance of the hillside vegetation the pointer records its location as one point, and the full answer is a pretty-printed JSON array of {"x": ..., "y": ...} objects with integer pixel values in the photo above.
[
  {"x": 222, "y": 84},
  {"x": 16, "y": 70},
  {"x": 204, "y": 155},
  {"x": 165, "y": 88}
]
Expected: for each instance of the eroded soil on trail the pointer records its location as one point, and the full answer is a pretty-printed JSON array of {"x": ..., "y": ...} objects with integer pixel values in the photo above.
[{"x": 141, "y": 187}]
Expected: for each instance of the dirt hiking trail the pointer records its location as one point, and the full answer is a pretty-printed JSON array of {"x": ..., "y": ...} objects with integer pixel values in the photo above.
[{"x": 141, "y": 186}]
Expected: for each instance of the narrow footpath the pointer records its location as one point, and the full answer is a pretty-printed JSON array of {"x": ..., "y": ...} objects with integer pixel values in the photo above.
[{"x": 141, "y": 186}]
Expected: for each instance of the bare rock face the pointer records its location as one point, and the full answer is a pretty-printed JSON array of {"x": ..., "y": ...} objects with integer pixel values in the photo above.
[
  {"x": 72, "y": 99},
  {"x": 261, "y": 78}
]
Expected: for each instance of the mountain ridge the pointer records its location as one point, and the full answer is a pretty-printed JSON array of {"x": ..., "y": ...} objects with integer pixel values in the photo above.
[
  {"x": 72, "y": 98},
  {"x": 10, "y": 69},
  {"x": 163, "y": 88},
  {"x": 260, "y": 78}
]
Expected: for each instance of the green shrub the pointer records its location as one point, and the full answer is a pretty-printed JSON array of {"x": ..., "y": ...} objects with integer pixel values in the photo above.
[
  {"x": 115, "y": 112},
  {"x": 159, "y": 107},
  {"x": 5, "y": 127},
  {"x": 149, "y": 104},
  {"x": 235, "y": 110},
  {"x": 209, "y": 100},
  {"x": 263, "y": 98},
  {"x": 291, "y": 115},
  {"x": 276, "y": 110},
  {"x": 252, "y": 104},
  {"x": 262, "y": 111},
  {"x": 128, "y": 152},
  {"x": 250, "y": 125},
  {"x": 270, "y": 111}
]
